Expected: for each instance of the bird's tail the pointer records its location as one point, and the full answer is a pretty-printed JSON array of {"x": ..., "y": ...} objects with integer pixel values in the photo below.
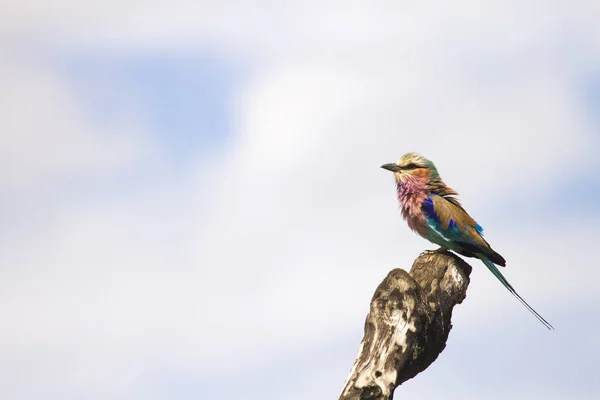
[{"x": 488, "y": 263}]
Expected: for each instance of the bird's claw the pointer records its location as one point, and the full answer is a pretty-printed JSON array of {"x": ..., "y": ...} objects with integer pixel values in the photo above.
[{"x": 436, "y": 251}]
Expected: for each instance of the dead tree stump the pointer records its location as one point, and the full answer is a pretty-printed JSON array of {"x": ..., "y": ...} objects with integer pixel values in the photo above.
[{"x": 408, "y": 325}]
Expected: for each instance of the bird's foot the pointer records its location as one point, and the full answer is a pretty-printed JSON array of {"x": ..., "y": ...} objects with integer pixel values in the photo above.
[{"x": 441, "y": 250}]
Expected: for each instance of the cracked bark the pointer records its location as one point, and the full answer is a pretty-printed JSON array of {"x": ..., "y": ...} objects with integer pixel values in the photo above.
[{"x": 408, "y": 325}]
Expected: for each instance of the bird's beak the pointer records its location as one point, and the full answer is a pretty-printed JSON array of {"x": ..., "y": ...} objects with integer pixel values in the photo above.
[{"x": 391, "y": 167}]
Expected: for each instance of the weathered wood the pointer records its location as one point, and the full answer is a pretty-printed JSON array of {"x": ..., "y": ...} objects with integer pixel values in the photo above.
[{"x": 408, "y": 325}]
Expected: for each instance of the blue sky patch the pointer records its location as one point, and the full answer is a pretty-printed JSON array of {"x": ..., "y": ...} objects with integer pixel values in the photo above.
[
  {"x": 592, "y": 100},
  {"x": 182, "y": 99}
]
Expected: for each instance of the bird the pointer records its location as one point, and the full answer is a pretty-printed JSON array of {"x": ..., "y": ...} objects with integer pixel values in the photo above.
[{"x": 432, "y": 210}]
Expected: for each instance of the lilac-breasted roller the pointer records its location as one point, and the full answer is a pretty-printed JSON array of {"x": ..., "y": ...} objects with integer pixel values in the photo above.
[{"x": 431, "y": 210}]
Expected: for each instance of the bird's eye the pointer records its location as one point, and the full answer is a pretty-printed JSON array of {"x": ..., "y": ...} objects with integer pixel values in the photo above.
[{"x": 410, "y": 166}]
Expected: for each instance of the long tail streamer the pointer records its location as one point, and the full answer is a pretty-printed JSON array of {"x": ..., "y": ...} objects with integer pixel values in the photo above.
[{"x": 508, "y": 286}]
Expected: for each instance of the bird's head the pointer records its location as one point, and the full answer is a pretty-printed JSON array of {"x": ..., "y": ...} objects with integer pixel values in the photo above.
[{"x": 412, "y": 166}]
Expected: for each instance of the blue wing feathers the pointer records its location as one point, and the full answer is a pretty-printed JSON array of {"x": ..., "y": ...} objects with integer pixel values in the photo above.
[
  {"x": 466, "y": 240},
  {"x": 433, "y": 220},
  {"x": 427, "y": 208}
]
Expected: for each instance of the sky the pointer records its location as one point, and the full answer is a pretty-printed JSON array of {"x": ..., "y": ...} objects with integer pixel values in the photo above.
[{"x": 192, "y": 204}]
